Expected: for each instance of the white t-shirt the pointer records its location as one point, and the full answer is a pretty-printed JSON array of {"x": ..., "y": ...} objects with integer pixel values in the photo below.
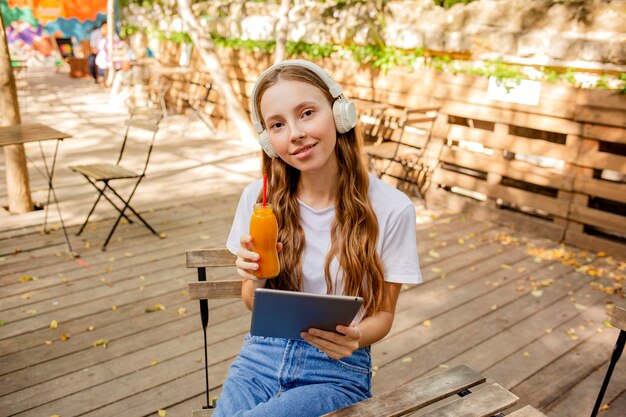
[{"x": 396, "y": 245}]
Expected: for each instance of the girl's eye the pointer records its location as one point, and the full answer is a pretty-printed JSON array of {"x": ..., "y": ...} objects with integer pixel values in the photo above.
[
  {"x": 307, "y": 113},
  {"x": 276, "y": 125}
]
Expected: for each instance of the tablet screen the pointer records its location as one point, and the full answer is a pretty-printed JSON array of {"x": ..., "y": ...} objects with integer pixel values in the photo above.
[{"x": 285, "y": 314}]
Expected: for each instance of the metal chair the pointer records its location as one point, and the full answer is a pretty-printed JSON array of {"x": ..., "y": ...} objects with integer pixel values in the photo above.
[
  {"x": 402, "y": 138},
  {"x": 618, "y": 320},
  {"x": 103, "y": 175}
]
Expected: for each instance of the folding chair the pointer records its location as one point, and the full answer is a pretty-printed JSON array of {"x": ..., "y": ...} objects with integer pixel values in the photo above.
[
  {"x": 198, "y": 90},
  {"x": 402, "y": 136},
  {"x": 101, "y": 176},
  {"x": 618, "y": 320}
]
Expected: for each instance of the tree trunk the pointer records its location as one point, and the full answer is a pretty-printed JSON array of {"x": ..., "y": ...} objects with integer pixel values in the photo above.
[
  {"x": 206, "y": 48},
  {"x": 18, "y": 186},
  {"x": 110, "y": 32},
  {"x": 281, "y": 31}
]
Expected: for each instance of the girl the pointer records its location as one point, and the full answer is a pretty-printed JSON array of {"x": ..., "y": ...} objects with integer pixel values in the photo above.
[{"x": 341, "y": 231}]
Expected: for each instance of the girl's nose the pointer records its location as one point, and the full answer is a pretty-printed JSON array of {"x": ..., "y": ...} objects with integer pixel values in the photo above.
[{"x": 297, "y": 133}]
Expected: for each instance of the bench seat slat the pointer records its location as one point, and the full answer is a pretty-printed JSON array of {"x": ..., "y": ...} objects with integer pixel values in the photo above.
[
  {"x": 485, "y": 402},
  {"x": 414, "y": 395},
  {"x": 527, "y": 411}
]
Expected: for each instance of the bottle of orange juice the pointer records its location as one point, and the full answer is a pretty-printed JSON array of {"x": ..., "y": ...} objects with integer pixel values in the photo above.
[{"x": 264, "y": 232}]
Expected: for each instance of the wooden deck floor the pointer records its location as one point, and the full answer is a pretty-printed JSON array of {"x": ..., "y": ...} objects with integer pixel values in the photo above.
[{"x": 525, "y": 312}]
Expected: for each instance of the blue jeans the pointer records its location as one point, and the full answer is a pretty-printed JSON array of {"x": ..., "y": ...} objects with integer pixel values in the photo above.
[{"x": 275, "y": 377}]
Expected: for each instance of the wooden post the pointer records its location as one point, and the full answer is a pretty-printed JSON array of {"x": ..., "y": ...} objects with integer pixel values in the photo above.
[{"x": 18, "y": 186}]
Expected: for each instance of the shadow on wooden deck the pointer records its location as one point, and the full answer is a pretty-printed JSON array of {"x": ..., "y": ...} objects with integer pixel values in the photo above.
[{"x": 112, "y": 333}]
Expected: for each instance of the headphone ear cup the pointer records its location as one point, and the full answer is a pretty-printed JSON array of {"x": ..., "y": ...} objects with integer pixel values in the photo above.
[
  {"x": 264, "y": 141},
  {"x": 345, "y": 115}
]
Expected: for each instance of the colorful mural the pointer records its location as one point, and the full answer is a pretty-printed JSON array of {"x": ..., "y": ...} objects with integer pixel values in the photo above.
[
  {"x": 31, "y": 24},
  {"x": 68, "y": 18}
]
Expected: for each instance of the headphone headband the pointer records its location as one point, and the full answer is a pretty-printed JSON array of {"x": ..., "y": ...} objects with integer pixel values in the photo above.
[{"x": 333, "y": 87}]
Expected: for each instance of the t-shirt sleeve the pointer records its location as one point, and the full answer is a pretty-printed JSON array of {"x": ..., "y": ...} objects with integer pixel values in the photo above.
[
  {"x": 399, "y": 252},
  {"x": 241, "y": 222}
]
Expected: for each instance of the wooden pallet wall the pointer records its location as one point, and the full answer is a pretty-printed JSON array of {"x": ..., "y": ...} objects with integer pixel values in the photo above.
[{"x": 580, "y": 198}]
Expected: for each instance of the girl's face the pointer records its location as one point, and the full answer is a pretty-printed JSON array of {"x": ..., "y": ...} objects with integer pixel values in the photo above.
[{"x": 301, "y": 126}]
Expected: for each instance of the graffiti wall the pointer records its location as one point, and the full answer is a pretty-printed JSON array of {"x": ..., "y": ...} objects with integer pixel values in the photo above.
[{"x": 31, "y": 25}]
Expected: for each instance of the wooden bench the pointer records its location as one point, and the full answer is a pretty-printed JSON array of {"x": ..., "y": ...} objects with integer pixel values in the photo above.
[{"x": 445, "y": 394}]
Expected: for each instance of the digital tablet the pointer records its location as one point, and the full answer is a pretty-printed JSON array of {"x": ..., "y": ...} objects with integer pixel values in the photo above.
[{"x": 285, "y": 314}]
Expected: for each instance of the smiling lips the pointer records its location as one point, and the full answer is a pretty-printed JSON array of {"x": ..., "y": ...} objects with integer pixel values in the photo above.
[{"x": 302, "y": 149}]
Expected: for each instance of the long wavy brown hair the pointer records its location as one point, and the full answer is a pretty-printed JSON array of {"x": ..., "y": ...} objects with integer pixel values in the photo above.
[{"x": 354, "y": 231}]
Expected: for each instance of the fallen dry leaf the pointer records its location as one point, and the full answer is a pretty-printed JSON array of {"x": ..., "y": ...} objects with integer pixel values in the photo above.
[
  {"x": 64, "y": 337},
  {"x": 153, "y": 363},
  {"x": 182, "y": 311},
  {"x": 427, "y": 323},
  {"x": 161, "y": 413},
  {"x": 26, "y": 278},
  {"x": 154, "y": 308},
  {"x": 54, "y": 324},
  {"x": 101, "y": 342},
  {"x": 407, "y": 359}
]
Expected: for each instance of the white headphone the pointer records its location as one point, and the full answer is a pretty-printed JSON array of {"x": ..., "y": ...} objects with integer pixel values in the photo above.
[{"x": 344, "y": 111}]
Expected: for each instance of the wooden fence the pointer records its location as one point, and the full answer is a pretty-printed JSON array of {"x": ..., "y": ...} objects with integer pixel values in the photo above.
[{"x": 558, "y": 167}]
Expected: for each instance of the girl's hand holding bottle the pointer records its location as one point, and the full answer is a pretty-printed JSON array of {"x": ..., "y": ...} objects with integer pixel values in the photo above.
[{"x": 247, "y": 259}]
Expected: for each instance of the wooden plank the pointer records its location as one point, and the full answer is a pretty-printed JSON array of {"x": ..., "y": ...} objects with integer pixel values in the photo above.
[
  {"x": 201, "y": 413},
  {"x": 601, "y": 115},
  {"x": 212, "y": 290},
  {"x": 618, "y": 318},
  {"x": 585, "y": 358},
  {"x": 602, "y": 160},
  {"x": 594, "y": 243},
  {"x": 600, "y": 98},
  {"x": 598, "y": 218},
  {"x": 512, "y": 372},
  {"x": 477, "y": 95},
  {"x": 23, "y": 133},
  {"x": 551, "y": 124},
  {"x": 583, "y": 396},
  {"x": 527, "y": 411},
  {"x": 485, "y": 402},
  {"x": 475, "y": 323},
  {"x": 210, "y": 258},
  {"x": 520, "y": 170},
  {"x": 600, "y": 188},
  {"x": 513, "y": 143},
  {"x": 555, "y": 206},
  {"x": 605, "y": 133},
  {"x": 414, "y": 395}
]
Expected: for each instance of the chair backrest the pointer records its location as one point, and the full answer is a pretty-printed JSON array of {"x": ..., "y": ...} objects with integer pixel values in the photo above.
[
  {"x": 618, "y": 318},
  {"x": 198, "y": 89},
  {"x": 138, "y": 122},
  {"x": 202, "y": 259}
]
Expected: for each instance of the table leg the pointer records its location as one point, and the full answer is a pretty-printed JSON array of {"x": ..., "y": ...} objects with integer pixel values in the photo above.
[{"x": 50, "y": 175}]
